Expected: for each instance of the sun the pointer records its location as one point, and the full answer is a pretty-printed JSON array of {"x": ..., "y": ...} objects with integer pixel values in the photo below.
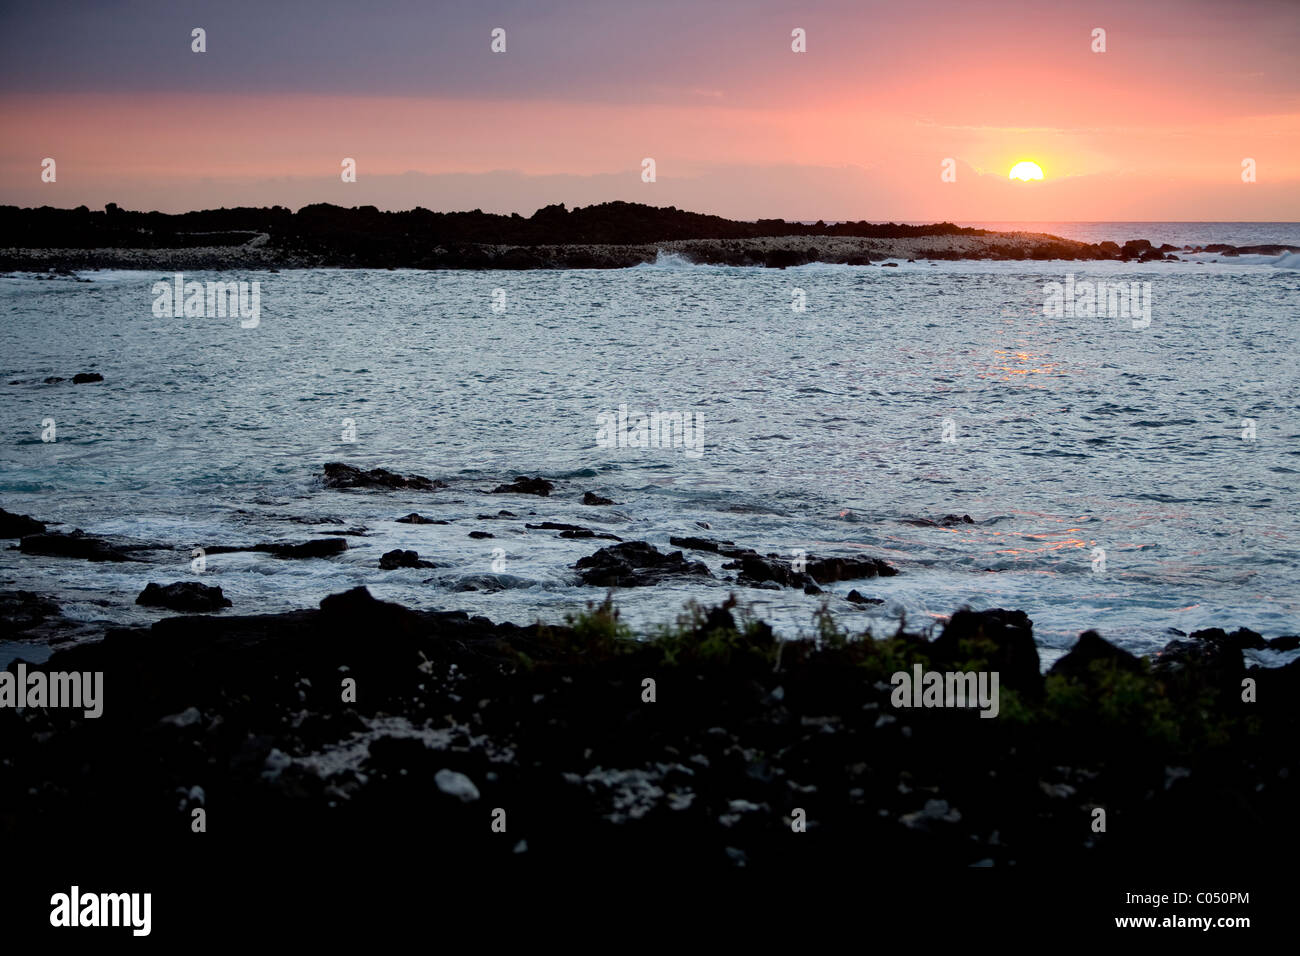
[{"x": 1026, "y": 171}]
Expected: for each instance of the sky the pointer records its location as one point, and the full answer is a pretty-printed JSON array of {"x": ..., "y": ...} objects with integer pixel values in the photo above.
[{"x": 860, "y": 126}]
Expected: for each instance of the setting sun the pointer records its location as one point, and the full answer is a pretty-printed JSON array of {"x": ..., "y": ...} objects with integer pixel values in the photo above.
[{"x": 1026, "y": 171}]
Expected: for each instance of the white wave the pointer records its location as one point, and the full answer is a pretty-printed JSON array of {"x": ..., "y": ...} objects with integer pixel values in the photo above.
[
  {"x": 671, "y": 261},
  {"x": 1288, "y": 260}
]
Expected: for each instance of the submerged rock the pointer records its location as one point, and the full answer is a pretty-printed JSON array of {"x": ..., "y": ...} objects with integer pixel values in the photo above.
[
  {"x": 183, "y": 596},
  {"x": 75, "y": 545},
  {"x": 947, "y": 521},
  {"x": 591, "y": 498}
]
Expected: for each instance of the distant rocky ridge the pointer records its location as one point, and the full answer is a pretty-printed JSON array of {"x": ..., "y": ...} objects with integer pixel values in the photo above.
[{"x": 609, "y": 235}]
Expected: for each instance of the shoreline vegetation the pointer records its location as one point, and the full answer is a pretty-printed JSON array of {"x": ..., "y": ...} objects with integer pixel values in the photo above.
[
  {"x": 365, "y": 720},
  {"x": 453, "y": 718},
  {"x": 606, "y": 236}
]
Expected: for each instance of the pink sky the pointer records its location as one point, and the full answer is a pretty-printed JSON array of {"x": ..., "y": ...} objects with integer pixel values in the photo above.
[{"x": 1154, "y": 128}]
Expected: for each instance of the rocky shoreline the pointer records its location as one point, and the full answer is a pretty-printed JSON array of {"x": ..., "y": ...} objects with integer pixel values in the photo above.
[
  {"x": 365, "y": 722},
  {"x": 607, "y": 236},
  {"x": 769, "y": 252}
]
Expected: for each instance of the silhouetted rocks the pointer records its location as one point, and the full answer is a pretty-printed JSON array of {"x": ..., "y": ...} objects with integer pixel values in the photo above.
[
  {"x": 188, "y": 596},
  {"x": 591, "y": 498},
  {"x": 17, "y": 526},
  {"x": 481, "y": 534},
  {"x": 75, "y": 545},
  {"x": 1214, "y": 663},
  {"x": 605, "y": 236},
  {"x": 1005, "y": 639},
  {"x": 635, "y": 564},
  {"x": 398, "y": 558},
  {"x": 338, "y": 475},
  {"x": 1241, "y": 638},
  {"x": 453, "y": 715},
  {"x": 1090, "y": 651},
  {"x": 414, "y": 518},
  {"x": 84, "y": 378},
  {"x": 525, "y": 486}
]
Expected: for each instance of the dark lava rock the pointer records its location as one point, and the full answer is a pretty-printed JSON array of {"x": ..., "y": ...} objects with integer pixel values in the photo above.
[
  {"x": 75, "y": 545},
  {"x": 756, "y": 569},
  {"x": 1217, "y": 661},
  {"x": 1288, "y": 642},
  {"x": 83, "y": 378},
  {"x": 824, "y": 570},
  {"x": 23, "y": 610},
  {"x": 1091, "y": 648},
  {"x": 338, "y": 475},
  {"x": 414, "y": 518},
  {"x": 858, "y": 598},
  {"x": 591, "y": 498},
  {"x": 571, "y": 530},
  {"x": 398, "y": 558},
  {"x": 1135, "y": 247},
  {"x": 18, "y": 526},
  {"x": 1004, "y": 639},
  {"x": 704, "y": 544},
  {"x": 585, "y": 533},
  {"x": 325, "y": 548},
  {"x": 635, "y": 564},
  {"x": 525, "y": 486},
  {"x": 481, "y": 534},
  {"x": 1241, "y": 637},
  {"x": 183, "y": 596}
]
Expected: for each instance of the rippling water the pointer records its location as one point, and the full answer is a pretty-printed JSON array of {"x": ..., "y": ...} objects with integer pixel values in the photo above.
[{"x": 822, "y": 430}]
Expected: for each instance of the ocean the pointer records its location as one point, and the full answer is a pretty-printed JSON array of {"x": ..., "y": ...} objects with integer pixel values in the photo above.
[{"x": 1130, "y": 480}]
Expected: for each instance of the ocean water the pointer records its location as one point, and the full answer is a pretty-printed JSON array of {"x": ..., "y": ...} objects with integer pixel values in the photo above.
[
  {"x": 1175, "y": 233},
  {"x": 821, "y": 430}
]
